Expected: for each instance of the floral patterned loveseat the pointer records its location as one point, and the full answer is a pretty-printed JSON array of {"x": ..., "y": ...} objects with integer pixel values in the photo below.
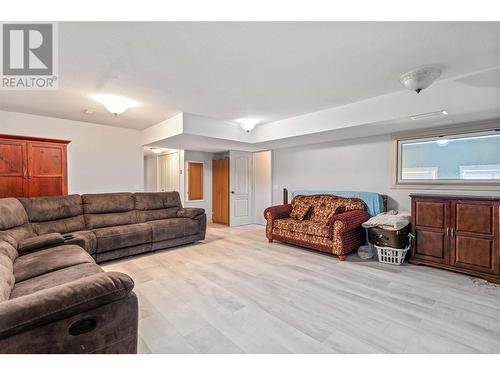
[{"x": 322, "y": 222}]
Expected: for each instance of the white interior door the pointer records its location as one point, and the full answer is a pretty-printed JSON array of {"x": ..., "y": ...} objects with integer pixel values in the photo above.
[
  {"x": 241, "y": 176},
  {"x": 169, "y": 172},
  {"x": 262, "y": 184}
]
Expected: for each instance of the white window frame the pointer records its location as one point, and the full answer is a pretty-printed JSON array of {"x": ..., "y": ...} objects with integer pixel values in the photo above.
[{"x": 457, "y": 184}]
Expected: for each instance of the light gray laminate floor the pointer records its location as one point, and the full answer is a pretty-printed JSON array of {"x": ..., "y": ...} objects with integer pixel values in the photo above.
[{"x": 236, "y": 293}]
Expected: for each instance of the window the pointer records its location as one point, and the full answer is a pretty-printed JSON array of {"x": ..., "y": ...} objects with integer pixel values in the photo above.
[
  {"x": 195, "y": 181},
  {"x": 480, "y": 172},
  {"x": 457, "y": 159},
  {"x": 415, "y": 173}
]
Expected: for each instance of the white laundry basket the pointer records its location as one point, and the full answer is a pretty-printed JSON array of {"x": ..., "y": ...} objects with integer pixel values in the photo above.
[{"x": 391, "y": 255}]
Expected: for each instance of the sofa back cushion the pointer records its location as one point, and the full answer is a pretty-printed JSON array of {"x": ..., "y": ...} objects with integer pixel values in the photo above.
[
  {"x": 325, "y": 206},
  {"x": 59, "y": 214},
  {"x": 108, "y": 209},
  {"x": 12, "y": 213},
  {"x": 14, "y": 225},
  {"x": 7, "y": 256},
  {"x": 157, "y": 206}
]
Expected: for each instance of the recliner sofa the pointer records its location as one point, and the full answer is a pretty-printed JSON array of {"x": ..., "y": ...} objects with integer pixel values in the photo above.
[
  {"x": 114, "y": 225},
  {"x": 54, "y": 298}
]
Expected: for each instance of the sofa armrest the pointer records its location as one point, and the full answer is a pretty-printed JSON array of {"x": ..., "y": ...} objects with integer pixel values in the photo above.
[
  {"x": 39, "y": 242},
  {"x": 346, "y": 221},
  {"x": 275, "y": 212},
  {"x": 190, "y": 212},
  {"x": 48, "y": 305},
  {"x": 278, "y": 212}
]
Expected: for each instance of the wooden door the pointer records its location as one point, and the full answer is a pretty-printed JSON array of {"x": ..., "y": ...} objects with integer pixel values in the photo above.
[
  {"x": 47, "y": 168},
  {"x": 13, "y": 168},
  {"x": 220, "y": 191},
  {"x": 431, "y": 226},
  {"x": 474, "y": 235}
]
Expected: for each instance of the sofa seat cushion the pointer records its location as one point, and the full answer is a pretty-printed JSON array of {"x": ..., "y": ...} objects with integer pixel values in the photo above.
[
  {"x": 302, "y": 226},
  {"x": 122, "y": 236},
  {"x": 55, "y": 278},
  {"x": 173, "y": 228},
  {"x": 49, "y": 260}
]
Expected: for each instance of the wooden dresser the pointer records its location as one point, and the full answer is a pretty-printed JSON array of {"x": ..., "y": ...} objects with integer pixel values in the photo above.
[{"x": 457, "y": 233}]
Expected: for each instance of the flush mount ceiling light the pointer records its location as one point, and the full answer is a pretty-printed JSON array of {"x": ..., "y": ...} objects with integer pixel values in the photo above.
[
  {"x": 156, "y": 150},
  {"x": 247, "y": 124},
  {"x": 420, "y": 78},
  {"x": 115, "y": 104}
]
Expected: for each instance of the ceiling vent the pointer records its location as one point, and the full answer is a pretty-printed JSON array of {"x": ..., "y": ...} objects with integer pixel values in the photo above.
[{"x": 423, "y": 116}]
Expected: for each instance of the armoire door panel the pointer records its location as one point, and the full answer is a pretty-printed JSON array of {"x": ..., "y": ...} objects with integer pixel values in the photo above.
[
  {"x": 45, "y": 186},
  {"x": 46, "y": 169},
  {"x": 474, "y": 253},
  {"x": 46, "y": 160},
  {"x": 476, "y": 218},
  {"x": 430, "y": 214},
  {"x": 431, "y": 245},
  {"x": 13, "y": 168}
]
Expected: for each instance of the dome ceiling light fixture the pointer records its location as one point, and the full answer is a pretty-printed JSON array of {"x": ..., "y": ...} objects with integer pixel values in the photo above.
[
  {"x": 420, "y": 78},
  {"x": 247, "y": 124},
  {"x": 115, "y": 104}
]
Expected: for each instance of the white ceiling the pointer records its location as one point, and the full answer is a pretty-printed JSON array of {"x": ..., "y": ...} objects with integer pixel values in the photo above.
[{"x": 230, "y": 70}]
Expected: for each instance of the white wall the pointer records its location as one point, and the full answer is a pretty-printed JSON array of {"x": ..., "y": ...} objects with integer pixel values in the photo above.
[
  {"x": 358, "y": 165},
  {"x": 262, "y": 180},
  {"x": 206, "y": 158},
  {"x": 100, "y": 158},
  {"x": 150, "y": 173}
]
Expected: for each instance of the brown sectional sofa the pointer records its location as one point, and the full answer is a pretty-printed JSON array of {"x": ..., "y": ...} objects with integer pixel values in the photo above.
[
  {"x": 57, "y": 299},
  {"x": 54, "y": 298},
  {"x": 114, "y": 225}
]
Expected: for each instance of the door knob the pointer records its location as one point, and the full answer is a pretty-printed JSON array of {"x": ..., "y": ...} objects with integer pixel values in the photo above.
[{"x": 232, "y": 192}]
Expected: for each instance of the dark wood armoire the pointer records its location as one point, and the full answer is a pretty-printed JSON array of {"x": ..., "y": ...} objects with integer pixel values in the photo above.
[
  {"x": 457, "y": 233},
  {"x": 32, "y": 167}
]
